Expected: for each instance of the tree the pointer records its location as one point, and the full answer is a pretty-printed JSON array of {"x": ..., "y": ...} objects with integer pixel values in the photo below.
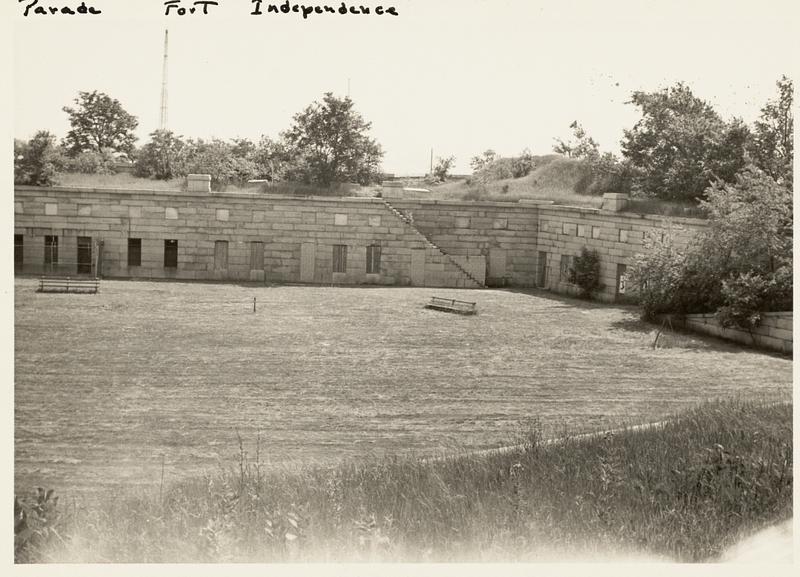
[
  {"x": 271, "y": 159},
  {"x": 581, "y": 146},
  {"x": 480, "y": 162},
  {"x": 772, "y": 144},
  {"x": 328, "y": 144},
  {"x": 98, "y": 122},
  {"x": 162, "y": 158},
  {"x": 681, "y": 145},
  {"x": 36, "y": 161},
  {"x": 442, "y": 167}
]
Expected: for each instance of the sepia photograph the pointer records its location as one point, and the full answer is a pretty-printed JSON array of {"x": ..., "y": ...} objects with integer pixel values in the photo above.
[{"x": 344, "y": 286}]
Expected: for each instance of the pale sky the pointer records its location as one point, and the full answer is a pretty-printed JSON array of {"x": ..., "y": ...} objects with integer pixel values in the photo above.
[{"x": 458, "y": 77}]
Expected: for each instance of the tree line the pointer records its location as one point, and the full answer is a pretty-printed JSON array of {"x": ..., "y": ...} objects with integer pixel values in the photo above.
[{"x": 327, "y": 143}]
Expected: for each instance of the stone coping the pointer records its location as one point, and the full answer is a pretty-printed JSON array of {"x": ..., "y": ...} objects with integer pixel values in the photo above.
[{"x": 522, "y": 205}]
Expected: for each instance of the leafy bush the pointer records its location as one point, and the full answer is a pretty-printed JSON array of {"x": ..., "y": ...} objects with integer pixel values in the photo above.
[
  {"x": 585, "y": 272},
  {"x": 740, "y": 266},
  {"x": 91, "y": 162},
  {"x": 216, "y": 158},
  {"x": 748, "y": 295},
  {"x": 37, "y": 161},
  {"x": 492, "y": 167}
]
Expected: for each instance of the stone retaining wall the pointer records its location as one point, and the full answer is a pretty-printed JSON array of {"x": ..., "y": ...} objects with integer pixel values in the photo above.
[
  {"x": 522, "y": 244},
  {"x": 773, "y": 333}
]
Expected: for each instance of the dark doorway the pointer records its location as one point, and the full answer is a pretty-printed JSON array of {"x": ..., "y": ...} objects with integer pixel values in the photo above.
[
  {"x": 84, "y": 255},
  {"x": 541, "y": 276},
  {"x": 170, "y": 253},
  {"x": 18, "y": 259}
]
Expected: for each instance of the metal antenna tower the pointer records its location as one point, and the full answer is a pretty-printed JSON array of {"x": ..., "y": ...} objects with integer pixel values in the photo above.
[{"x": 163, "y": 123}]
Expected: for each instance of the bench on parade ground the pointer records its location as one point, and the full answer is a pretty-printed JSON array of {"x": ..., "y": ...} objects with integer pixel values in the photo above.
[
  {"x": 451, "y": 306},
  {"x": 65, "y": 284}
]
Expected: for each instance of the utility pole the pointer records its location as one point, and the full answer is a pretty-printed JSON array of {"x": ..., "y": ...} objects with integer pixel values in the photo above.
[{"x": 163, "y": 122}]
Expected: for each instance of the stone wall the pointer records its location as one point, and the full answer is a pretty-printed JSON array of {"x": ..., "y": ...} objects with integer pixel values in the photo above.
[
  {"x": 215, "y": 236},
  {"x": 773, "y": 333},
  {"x": 422, "y": 242}
]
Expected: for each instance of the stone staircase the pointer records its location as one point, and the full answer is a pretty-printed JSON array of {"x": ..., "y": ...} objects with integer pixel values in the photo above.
[{"x": 410, "y": 224}]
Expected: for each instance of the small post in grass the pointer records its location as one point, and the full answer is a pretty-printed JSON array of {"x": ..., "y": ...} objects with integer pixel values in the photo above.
[
  {"x": 161, "y": 485},
  {"x": 254, "y": 304}
]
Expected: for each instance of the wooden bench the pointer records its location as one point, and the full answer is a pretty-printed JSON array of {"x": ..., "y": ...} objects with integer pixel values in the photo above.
[
  {"x": 451, "y": 306},
  {"x": 65, "y": 284}
]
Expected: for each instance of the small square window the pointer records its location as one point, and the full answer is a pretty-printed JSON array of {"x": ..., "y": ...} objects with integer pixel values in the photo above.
[
  {"x": 375, "y": 220},
  {"x": 18, "y": 208},
  {"x": 581, "y": 230},
  {"x": 623, "y": 236},
  {"x": 51, "y": 208},
  {"x": 595, "y": 232},
  {"x": 340, "y": 219},
  {"x": 171, "y": 213},
  {"x": 223, "y": 214}
]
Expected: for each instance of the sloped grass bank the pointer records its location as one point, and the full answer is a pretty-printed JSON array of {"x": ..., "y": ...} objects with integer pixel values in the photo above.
[{"x": 684, "y": 491}]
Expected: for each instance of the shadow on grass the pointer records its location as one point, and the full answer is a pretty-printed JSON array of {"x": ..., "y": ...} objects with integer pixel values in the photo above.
[
  {"x": 678, "y": 338},
  {"x": 566, "y": 300}
]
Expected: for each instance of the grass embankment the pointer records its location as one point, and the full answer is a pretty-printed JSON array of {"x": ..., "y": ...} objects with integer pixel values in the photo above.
[
  {"x": 685, "y": 491},
  {"x": 558, "y": 179}
]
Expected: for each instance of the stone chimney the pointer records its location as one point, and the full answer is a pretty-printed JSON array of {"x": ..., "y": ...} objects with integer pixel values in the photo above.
[{"x": 199, "y": 182}]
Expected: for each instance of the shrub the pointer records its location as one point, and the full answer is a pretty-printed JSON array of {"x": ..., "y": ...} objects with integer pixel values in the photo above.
[
  {"x": 585, "y": 272},
  {"x": 495, "y": 168},
  {"x": 91, "y": 162},
  {"x": 739, "y": 267},
  {"x": 37, "y": 161},
  {"x": 748, "y": 295}
]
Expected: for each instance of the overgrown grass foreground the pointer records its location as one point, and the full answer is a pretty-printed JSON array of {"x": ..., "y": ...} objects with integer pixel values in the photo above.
[{"x": 683, "y": 491}]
